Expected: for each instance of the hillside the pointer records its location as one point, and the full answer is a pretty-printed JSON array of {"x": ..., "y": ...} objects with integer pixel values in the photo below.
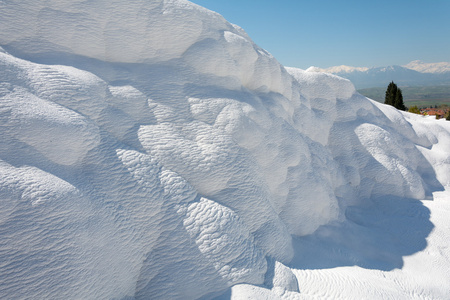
[{"x": 151, "y": 150}]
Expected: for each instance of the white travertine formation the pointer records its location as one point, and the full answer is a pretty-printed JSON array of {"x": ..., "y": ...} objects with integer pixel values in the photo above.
[{"x": 149, "y": 149}]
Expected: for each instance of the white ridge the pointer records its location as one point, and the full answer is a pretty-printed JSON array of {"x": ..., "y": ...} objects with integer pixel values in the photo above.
[{"x": 149, "y": 149}]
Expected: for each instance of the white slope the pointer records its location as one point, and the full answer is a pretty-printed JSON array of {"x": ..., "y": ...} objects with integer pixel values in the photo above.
[
  {"x": 152, "y": 150},
  {"x": 420, "y": 275}
]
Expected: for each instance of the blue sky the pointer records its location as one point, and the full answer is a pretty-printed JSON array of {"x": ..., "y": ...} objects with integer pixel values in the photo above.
[{"x": 325, "y": 33}]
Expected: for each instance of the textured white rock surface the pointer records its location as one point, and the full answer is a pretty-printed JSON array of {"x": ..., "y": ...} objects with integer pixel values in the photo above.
[{"x": 151, "y": 149}]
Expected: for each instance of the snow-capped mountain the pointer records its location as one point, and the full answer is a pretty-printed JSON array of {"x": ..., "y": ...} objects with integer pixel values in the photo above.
[
  {"x": 150, "y": 150},
  {"x": 342, "y": 69},
  {"x": 415, "y": 73},
  {"x": 419, "y": 66}
]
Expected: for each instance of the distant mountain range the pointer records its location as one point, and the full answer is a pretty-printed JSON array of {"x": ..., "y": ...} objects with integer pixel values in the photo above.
[
  {"x": 415, "y": 73},
  {"x": 417, "y": 65}
]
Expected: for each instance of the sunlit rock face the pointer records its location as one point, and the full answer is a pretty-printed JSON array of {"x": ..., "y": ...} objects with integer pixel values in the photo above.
[{"x": 150, "y": 148}]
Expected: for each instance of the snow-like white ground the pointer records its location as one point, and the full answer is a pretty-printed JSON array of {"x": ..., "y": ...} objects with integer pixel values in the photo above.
[{"x": 150, "y": 150}]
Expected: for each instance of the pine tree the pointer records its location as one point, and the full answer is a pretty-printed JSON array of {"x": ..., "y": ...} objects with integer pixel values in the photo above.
[
  {"x": 394, "y": 96},
  {"x": 390, "y": 93},
  {"x": 398, "y": 102}
]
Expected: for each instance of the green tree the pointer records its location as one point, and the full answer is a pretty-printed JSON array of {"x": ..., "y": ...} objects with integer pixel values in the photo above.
[
  {"x": 390, "y": 94},
  {"x": 394, "y": 96}
]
